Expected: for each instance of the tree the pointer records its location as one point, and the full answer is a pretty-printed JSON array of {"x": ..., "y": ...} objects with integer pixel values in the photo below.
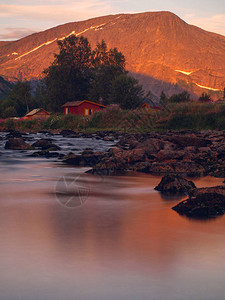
[
  {"x": 126, "y": 92},
  {"x": 182, "y": 97},
  {"x": 78, "y": 73},
  {"x": 205, "y": 98},
  {"x": 163, "y": 99},
  {"x": 9, "y": 112},
  {"x": 68, "y": 78},
  {"x": 19, "y": 98},
  {"x": 107, "y": 65}
]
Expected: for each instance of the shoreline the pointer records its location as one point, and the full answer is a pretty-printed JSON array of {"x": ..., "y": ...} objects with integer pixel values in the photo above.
[{"x": 182, "y": 155}]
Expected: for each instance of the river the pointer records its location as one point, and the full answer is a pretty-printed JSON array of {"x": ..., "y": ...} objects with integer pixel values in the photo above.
[{"x": 68, "y": 235}]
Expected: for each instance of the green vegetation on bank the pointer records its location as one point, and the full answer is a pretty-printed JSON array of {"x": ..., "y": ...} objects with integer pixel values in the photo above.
[{"x": 175, "y": 116}]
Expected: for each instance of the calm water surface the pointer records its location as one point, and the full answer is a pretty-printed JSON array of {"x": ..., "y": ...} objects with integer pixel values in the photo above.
[{"x": 124, "y": 242}]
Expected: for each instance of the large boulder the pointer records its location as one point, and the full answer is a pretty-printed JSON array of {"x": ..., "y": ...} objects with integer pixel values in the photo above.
[
  {"x": 67, "y": 132},
  {"x": 17, "y": 144},
  {"x": 14, "y": 134},
  {"x": 184, "y": 168},
  {"x": 204, "y": 203},
  {"x": 151, "y": 146},
  {"x": 87, "y": 159},
  {"x": 45, "y": 144},
  {"x": 109, "y": 167},
  {"x": 164, "y": 155},
  {"x": 174, "y": 184},
  {"x": 190, "y": 140}
]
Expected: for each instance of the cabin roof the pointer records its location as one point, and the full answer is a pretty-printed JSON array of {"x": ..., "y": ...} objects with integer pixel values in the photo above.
[
  {"x": 35, "y": 111},
  {"x": 77, "y": 103},
  {"x": 152, "y": 103}
]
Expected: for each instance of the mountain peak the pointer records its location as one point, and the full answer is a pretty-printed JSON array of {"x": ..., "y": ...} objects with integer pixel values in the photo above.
[{"x": 161, "y": 50}]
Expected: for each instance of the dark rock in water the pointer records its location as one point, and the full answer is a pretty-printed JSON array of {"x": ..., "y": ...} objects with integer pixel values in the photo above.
[
  {"x": 14, "y": 134},
  {"x": 45, "y": 132},
  {"x": 217, "y": 170},
  {"x": 190, "y": 140},
  {"x": 86, "y": 159},
  {"x": 46, "y": 154},
  {"x": 108, "y": 138},
  {"x": 17, "y": 144},
  {"x": 204, "y": 203},
  {"x": 87, "y": 152},
  {"x": 67, "y": 132},
  {"x": 175, "y": 184},
  {"x": 109, "y": 166},
  {"x": 142, "y": 167},
  {"x": 151, "y": 146},
  {"x": 45, "y": 144},
  {"x": 164, "y": 155},
  {"x": 184, "y": 168}
]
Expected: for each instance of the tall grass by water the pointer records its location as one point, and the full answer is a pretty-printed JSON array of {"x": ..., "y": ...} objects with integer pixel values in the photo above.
[{"x": 174, "y": 116}]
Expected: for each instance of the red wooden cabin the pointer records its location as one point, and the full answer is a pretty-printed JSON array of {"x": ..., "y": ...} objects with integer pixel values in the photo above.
[{"x": 81, "y": 108}]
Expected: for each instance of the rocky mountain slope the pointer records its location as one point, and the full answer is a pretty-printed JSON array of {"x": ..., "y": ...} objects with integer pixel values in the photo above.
[{"x": 161, "y": 50}]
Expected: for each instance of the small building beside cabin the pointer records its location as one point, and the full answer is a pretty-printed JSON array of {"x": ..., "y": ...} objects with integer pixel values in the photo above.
[
  {"x": 38, "y": 114},
  {"x": 81, "y": 108},
  {"x": 150, "y": 104}
]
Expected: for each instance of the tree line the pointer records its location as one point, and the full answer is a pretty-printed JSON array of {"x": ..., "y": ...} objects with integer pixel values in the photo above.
[{"x": 79, "y": 72}]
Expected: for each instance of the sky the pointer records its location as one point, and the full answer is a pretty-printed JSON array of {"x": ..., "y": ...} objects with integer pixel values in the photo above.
[{"x": 19, "y": 19}]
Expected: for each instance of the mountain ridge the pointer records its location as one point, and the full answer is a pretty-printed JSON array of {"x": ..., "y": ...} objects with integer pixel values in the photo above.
[{"x": 161, "y": 50}]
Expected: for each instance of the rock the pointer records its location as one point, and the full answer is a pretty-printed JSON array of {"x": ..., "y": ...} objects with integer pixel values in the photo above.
[
  {"x": 45, "y": 132},
  {"x": 204, "y": 203},
  {"x": 85, "y": 160},
  {"x": 67, "y": 132},
  {"x": 46, "y": 154},
  {"x": 109, "y": 167},
  {"x": 190, "y": 140},
  {"x": 87, "y": 152},
  {"x": 151, "y": 146},
  {"x": 45, "y": 144},
  {"x": 108, "y": 138},
  {"x": 14, "y": 134},
  {"x": 189, "y": 169},
  {"x": 128, "y": 142},
  {"x": 17, "y": 144},
  {"x": 184, "y": 168},
  {"x": 174, "y": 184},
  {"x": 142, "y": 167},
  {"x": 163, "y": 155}
]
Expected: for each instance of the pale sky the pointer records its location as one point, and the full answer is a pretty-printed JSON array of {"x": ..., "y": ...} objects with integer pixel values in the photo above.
[{"x": 18, "y": 19}]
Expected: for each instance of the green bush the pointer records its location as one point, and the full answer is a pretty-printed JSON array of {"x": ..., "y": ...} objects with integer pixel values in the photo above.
[{"x": 10, "y": 124}]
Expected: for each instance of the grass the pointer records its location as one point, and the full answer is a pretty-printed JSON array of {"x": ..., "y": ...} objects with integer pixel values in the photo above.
[{"x": 196, "y": 116}]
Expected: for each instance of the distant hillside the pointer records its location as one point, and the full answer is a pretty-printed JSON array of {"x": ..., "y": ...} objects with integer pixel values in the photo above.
[{"x": 161, "y": 50}]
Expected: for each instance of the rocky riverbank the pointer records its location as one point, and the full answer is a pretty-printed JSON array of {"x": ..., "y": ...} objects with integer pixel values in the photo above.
[{"x": 177, "y": 154}]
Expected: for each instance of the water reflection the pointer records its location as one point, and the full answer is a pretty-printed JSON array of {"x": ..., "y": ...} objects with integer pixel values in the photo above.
[{"x": 124, "y": 242}]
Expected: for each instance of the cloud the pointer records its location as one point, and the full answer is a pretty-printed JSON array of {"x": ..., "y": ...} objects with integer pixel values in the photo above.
[
  {"x": 61, "y": 11},
  {"x": 15, "y": 33},
  {"x": 40, "y": 15},
  {"x": 214, "y": 23}
]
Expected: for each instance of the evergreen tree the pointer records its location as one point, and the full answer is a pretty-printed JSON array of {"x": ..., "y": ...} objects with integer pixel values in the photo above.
[
  {"x": 107, "y": 65},
  {"x": 126, "y": 92},
  {"x": 204, "y": 98},
  {"x": 182, "y": 97},
  {"x": 68, "y": 78},
  {"x": 19, "y": 98}
]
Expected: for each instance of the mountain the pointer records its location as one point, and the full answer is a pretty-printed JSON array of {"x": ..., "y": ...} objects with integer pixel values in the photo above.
[{"x": 161, "y": 50}]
